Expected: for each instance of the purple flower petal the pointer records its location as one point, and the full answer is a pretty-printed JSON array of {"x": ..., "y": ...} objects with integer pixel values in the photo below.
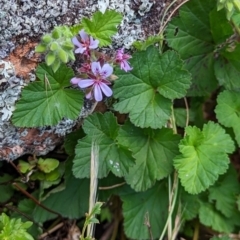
[
  {"x": 93, "y": 43},
  {"x": 75, "y": 80},
  {"x": 97, "y": 93},
  {"x": 76, "y": 42},
  {"x": 106, "y": 89},
  {"x": 106, "y": 70},
  {"x": 96, "y": 68},
  {"x": 80, "y": 49},
  {"x": 85, "y": 83},
  {"x": 83, "y": 35},
  {"x": 125, "y": 66}
]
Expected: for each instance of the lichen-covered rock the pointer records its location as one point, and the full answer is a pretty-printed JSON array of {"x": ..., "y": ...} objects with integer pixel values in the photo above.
[{"x": 24, "y": 19}]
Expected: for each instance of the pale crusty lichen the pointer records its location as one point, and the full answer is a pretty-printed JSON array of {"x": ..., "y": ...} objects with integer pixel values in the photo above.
[{"x": 23, "y": 19}]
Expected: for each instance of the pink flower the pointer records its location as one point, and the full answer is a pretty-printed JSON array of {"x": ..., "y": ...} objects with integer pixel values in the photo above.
[
  {"x": 85, "y": 44},
  {"x": 121, "y": 58},
  {"x": 97, "y": 81}
]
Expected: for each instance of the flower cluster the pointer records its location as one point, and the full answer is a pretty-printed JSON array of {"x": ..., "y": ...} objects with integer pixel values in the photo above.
[{"x": 94, "y": 75}]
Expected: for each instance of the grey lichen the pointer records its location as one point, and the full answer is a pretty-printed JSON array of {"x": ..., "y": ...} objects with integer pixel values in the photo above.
[{"x": 23, "y": 19}]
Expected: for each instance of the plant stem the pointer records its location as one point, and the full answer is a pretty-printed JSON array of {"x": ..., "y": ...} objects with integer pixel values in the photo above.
[
  {"x": 93, "y": 182},
  {"x": 187, "y": 112},
  {"x": 35, "y": 200},
  {"x": 169, "y": 207},
  {"x": 196, "y": 231},
  {"x": 174, "y": 194},
  {"x": 170, "y": 16},
  {"x": 165, "y": 12}
]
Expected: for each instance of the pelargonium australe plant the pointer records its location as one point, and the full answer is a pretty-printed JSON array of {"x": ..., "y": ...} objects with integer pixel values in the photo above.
[{"x": 156, "y": 148}]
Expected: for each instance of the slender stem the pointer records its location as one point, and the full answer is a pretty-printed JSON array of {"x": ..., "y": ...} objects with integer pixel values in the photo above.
[
  {"x": 175, "y": 189},
  {"x": 83, "y": 231},
  {"x": 21, "y": 213},
  {"x": 113, "y": 186},
  {"x": 34, "y": 199},
  {"x": 44, "y": 235},
  {"x": 173, "y": 192},
  {"x": 169, "y": 17},
  {"x": 165, "y": 12},
  {"x": 196, "y": 231},
  {"x": 93, "y": 182},
  {"x": 173, "y": 120},
  {"x": 236, "y": 28},
  {"x": 187, "y": 112},
  {"x": 170, "y": 205}
]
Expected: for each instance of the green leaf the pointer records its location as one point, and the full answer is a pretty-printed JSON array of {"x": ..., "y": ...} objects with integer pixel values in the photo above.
[
  {"x": 6, "y": 188},
  {"x": 211, "y": 218},
  {"x": 102, "y": 26},
  {"x": 40, "y": 48},
  {"x": 47, "y": 165},
  {"x": 14, "y": 229},
  {"x": 67, "y": 45},
  {"x": 151, "y": 40},
  {"x": 50, "y": 58},
  {"x": 63, "y": 55},
  {"x": 153, "y": 150},
  {"x": 56, "y": 65},
  {"x": 70, "y": 203},
  {"x": 71, "y": 140},
  {"x": 181, "y": 116},
  {"x": 103, "y": 129},
  {"x": 75, "y": 29},
  {"x": 27, "y": 206},
  {"x": 190, "y": 205},
  {"x": 54, "y": 46},
  {"x": 56, "y": 33},
  {"x": 227, "y": 68},
  {"x": 97, "y": 208},
  {"x": 24, "y": 166},
  {"x": 236, "y": 19},
  {"x": 145, "y": 207},
  {"x": 221, "y": 28},
  {"x": 225, "y": 191},
  {"x": 154, "y": 81},
  {"x": 203, "y": 156},
  {"x": 48, "y": 101},
  {"x": 192, "y": 36},
  {"x": 47, "y": 38},
  {"x": 228, "y": 111},
  {"x": 52, "y": 177}
]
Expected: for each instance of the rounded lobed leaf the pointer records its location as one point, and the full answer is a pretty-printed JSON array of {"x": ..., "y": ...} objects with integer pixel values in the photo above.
[
  {"x": 146, "y": 91},
  {"x": 203, "y": 157},
  {"x": 50, "y": 99},
  {"x": 102, "y": 26},
  {"x": 153, "y": 151},
  {"x": 47, "y": 165},
  {"x": 228, "y": 111}
]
